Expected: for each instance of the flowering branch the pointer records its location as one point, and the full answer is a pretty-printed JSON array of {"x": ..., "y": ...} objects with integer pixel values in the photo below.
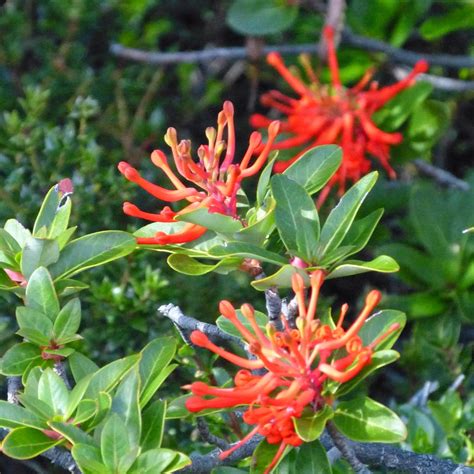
[
  {"x": 210, "y": 438},
  {"x": 186, "y": 324},
  {"x": 232, "y": 53}
]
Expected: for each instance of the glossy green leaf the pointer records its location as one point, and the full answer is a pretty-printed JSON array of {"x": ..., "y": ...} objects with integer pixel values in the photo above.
[
  {"x": 459, "y": 18},
  {"x": 38, "y": 253},
  {"x": 264, "y": 180},
  {"x": 13, "y": 416},
  {"x": 280, "y": 279},
  {"x": 260, "y": 17},
  {"x": 382, "y": 263},
  {"x": 312, "y": 459},
  {"x": 315, "y": 167},
  {"x": 26, "y": 443},
  {"x": 154, "y": 461},
  {"x": 226, "y": 326},
  {"x": 110, "y": 375},
  {"x": 8, "y": 244},
  {"x": 114, "y": 442},
  {"x": 379, "y": 359},
  {"x": 211, "y": 220},
  {"x": 125, "y": 403},
  {"x": 380, "y": 323},
  {"x": 81, "y": 366},
  {"x": 153, "y": 424},
  {"x": 34, "y": 325},
  {"x": 17, "y": 231},
  {"x": 340, "y": 219},
  {"x": 88, "y": 458},
  {"x": 259, "y": 228},
  {"x": 47, "y": 211},
  {"x": 91, "y": 251},
  {"x": 72, "y": 433},
  {"x": 366, "y": 420},
  {"x": 103, "y": 404},
  {"x": 179, "y": 462},
  {"x": 53, "y": 391},
  {"x": 263, "y": 456},
  {"x": 190, "y": 266},
  {"x": 68, "y": 320},
  {"x": 155, "y": 358},
  {"x": 296, "y": 218},
  {"x": 309, "y": 427},
  {"x": 19, "y": 357},
  {"x": 85, "y": 410},
  {"x": 77, "y": 394},
  {"x": 68, "y": 287},
  {"x": 36, "y": 406},
  {"x": 41, "y": 295},
  {"x": 246, "y": 250}
]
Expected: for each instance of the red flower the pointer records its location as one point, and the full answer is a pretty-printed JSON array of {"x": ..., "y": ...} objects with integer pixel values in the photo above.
[
  {"x": 216, "y": 177},
  {"x": 297, "y": 362},
  {"x": 334, "y": 114}
]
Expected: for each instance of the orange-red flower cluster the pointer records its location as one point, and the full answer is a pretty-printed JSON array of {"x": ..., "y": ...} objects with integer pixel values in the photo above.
[
  {"x": 326, "y": 114},
  {"x": 296, "y": 361},
  {"x": 216, "y": 177}
]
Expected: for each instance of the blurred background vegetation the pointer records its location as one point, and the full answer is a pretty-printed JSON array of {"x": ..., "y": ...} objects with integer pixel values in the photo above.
[{"x": 69, "y": 108}]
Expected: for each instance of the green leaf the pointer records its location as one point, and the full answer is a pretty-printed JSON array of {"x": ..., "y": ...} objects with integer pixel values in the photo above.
[
  {"x": 247, "y": 250},
  {"x": 109, "y": 376},
  {"x": 53, "y": 391},
  {"x": 104, "y": 402},
  {"x": 315, "y": 167},
  {"x": 88, "y": 458},
  {"x": 459, "y": 18},
  {"x": 8, "y": 244},
  {"x": 153, "y": 425},
  {"x": 155, "y": 358},
  {"x": 378, "y": 324},
  {"x": 17, "y": 231},
  {"x": 81, "y": 366},
  {"x": 36, "y": 406},
  {"x": 154, "y": 461},
  {"x": 264, "y": 180},
  {"x": 68, "y": 287},
  {"x": 86, "y": 409},
  {"x": 27, "y": 443},
  {"x": 67, "y": 322},
  {"x": 309, "y": 427},
  {"x": 180, "y": 461},
  {"x": 280, "y": 279},
  {"x": 77, "y": 394},
  {"x": 19, "y": 357},
  {"x": 190, "y": 266},
  {"x": 114, "y": 443},
  {"x": 382, "y": 264},
  {"x": 261, "y": 224},
  {"x": 34, "y": 325},
  {"x": 340, "y": 219},
  {"x": 366, "y": 420},
  {"x": 312, "y": 459},
  {"x": 41, "y": 295},
  {"x": 125, "y": 404},
  {"x": 38, "y": 253},
  {"x": 91, "y": 251},
  {"x": 448, "y": 411},
  {"x": 72, "y": 433},
  {"x": 296, "y": 218},
  {"x": 379, "y": 359},
  {"x": 226, "y": 326},
  {"x": 211, "y": 220},
  {"x": 47, "y": 211},
  {"x": 13, "y": 416},
  {"x": 263, "y": 456},
  {"x": 260, "y": 17}
]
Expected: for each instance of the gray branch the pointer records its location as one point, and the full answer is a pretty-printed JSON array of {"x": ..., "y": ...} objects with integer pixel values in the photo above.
[
  {"x": 441, "y": 176},
  {"x": 13, "y": 387},
  {"x": 274, "y": 307},
  {"x": 397, "y": 55},
  {"x": 185, "y": 325}
]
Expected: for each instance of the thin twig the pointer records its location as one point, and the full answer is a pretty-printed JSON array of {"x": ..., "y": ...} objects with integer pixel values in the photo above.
[
  {"x": 232, "y": 53},
  {"x": 273, "y": 305},
  {"x": 210, "y": 438},
  {"x": 346, "y": 450},
  {"x": 441, "y": 176},
  {"x": 335, "y": 14},
  {"x": 420, "y": 399}
]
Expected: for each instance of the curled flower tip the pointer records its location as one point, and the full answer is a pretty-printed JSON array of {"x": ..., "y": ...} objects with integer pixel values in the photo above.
[
  {"x": 128, "y": 171},
  {"x": 130, "y": 209},
  {"x": 199, "y": 388},
  {"x": 194, "y": 404},
  {"x": 255, "y": 139},
  {"x": 421, "y": 66},
  {"x": 227, "y": 310},
  {"x": 373, "y": 298},
  {"x": 247, "y": 310},
  {"x": 297, "y": 282},
  {"x": 158, "y": 158},
  {"x": 328, "y": 32},
  {"x": 228, "y": 108},
  {"x": 211, "y": 134},
  {"x": 199, "y": 339},
  {"x": 274, "y": 58},
  {"x": 221, "y": 118},
  {"x": 171, "y": 137},
  {"x": 273, "y": 129}
]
